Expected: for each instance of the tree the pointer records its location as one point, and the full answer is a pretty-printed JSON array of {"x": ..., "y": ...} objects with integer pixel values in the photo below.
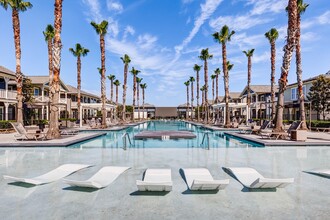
[
  {"x": 272, "y": 36},
  {"x": 213, "y": 77},
  {"x": 187, "y": 106},
  {"x": 101, "y": 30},
  {"x": 117, "y": 84},
  {"x": 111, "y": 78},
  {"x": 288, "y": 51},
  {"x": 143, "y": 87},
  {"x": 319, "y": 95},
  {"x": 126, "y": 60},
  {"x": 204, "y": 55},
  {"x": 249, "y": 55},
  {"x": 217, "y": 72},
  {"x": 138, "y": 81},
  {"x": 223, "y": 37},
  {"x": 49, "y": 34},
  {"x": 301, "y": 9},
  {"x": 197, "y": 68},
  {"x": 203, "y": 100},
  {"x": 134, "y": 72},
  {"x": 78, "y": 52},
  {"x": 17, "y": 6},
  {"x": 192, "y": 80},
  {"x": 53, "y": 131}
]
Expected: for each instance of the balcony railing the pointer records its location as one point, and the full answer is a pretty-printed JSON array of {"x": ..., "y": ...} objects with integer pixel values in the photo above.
[{"x": 11, "y": 94}]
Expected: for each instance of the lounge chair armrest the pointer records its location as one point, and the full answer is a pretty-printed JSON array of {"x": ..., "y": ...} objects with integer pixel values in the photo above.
[
  {"x": 154, "y": 185},
  {"x": 271, "y": 183},
  {"x": 209, "y": 185}
]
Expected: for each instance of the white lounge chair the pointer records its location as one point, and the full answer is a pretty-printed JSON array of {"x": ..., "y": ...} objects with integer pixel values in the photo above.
[
  {"x": 23, "y": 134},
  {"x": 104, "y": 177},
  {"x": 201, "y": 179},
  {"x": 251, "y": 178},
  {"x": 56, "y": 174},
  {"x": 156, "y": 180},
  {"x": 322, "y": 172}
]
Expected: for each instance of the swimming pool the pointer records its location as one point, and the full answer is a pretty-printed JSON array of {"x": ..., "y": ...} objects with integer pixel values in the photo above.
[{"x": 205, "y": 138}]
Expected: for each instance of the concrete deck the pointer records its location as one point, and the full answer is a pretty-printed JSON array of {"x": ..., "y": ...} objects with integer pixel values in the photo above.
[
  {"x": 307, "y": 198},
  {"x": 162, "y": 134}
]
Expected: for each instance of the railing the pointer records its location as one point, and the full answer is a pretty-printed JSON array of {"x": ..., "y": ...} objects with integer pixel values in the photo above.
[
  {"x": 10, "y": 94},
  {"x": 206, "y": 140},
  {"x": 63, "y": 100},
  {"x": 125, "y": 137}
]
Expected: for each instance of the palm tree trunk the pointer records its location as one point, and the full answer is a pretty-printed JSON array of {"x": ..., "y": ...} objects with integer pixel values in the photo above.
[
  {"x": 138, "y": 99},
  {"x": 249, "y": 82},
  {"x": 116, "y": 103},
  {"x": 187, "y": 115},
  {"x": 103, "y": 96},
  {"x": 124, "y": 92},
  {"x": 226, "y": 84},
  {"x": 192, "y": 100},
  {"x": 143, "y": 102},
  {"x": 299, "y": 77},
  {"x": 206, "y": 91},
  {"x": 273, "y": 57},
  {"x": 213, "y": 90},
  {"x": 217, "y": 88},
  {"x": 111, "y": 88},
  {"x": 50, "y": 67},
  {"x": 19, "y": 76},
  {"x": 288, "y": 51},
  {"x": 78, "y": 84},
  {"x": 134, "y": 93},
  {"x": 197, "y": 97},
  {"x": 53, "y": 131}
]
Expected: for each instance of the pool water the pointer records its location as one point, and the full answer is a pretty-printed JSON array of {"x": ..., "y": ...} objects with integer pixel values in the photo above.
[{"x": 205, "y": 138}]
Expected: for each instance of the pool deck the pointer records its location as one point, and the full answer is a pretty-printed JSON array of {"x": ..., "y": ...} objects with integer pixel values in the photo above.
[{"x": 165, "y": 134}]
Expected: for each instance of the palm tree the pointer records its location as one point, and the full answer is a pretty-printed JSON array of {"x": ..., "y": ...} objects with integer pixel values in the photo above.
[
  {"x": 17, "y": 6},
  {"x": 223, "y": 37},
  {"x": 197, "y": 69},
  {"x": 53, "y": 131},
  {"x": 204, "y": 55},
  {"x": 143, "y": 87},
  {"x": 288, "y": 51},
  {"x": 117, "y": 84},
  {"x": 126, "y": 60},
  {"x": 134, "y": 72},
  {"x": 138, "y": 81},
  {"x": 217, "y": 72},
  {"x": 301, "y": 9},
  {"x": 272, "y": 36},
  {"x": 249, "y": 55},
  {"x": 49, "y": 34},
  {"x": 78, "y": 52},
  {"x": 213, "y": 77},
  {"x": 101, "y": 29},
  {"x": 203, "y": 99},
  {"x": 192, "y": 80},
  {"x": 187, "y": 106},
  {"x": 111, "y": 78}
]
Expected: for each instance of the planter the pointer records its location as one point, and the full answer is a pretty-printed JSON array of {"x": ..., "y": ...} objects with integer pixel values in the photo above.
[{"x": 299, "y": 135}]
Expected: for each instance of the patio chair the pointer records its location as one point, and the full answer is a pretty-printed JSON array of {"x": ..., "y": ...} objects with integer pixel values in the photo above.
[
  {"x": 156, "y": 180},
  {"x": 51, "y": 176},
  {"x": 23, "y": 134},
  {"x": 201, "y": 179},
  {"x": 321, "y": 172},
  {"x": 104, "y": 177},
  {"x": 274, "y": 134},
  {"x": 69, "y": 131},
  {"x": 251, "y": 178},
  {"x": 247, "y": 130}
]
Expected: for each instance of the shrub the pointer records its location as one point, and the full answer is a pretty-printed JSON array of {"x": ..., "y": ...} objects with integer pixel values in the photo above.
[{"x": 5, "y": 124}]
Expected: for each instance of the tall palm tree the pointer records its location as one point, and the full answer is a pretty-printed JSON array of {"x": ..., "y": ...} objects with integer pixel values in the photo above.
[
  {"x": 197, "y": 68},
  {"x": 138, "y": 81},
  {"x": 117, "y": 84},
  {"x": 223, "y": 37},
  {"x": 204, "y": 55},
  {"x": 17, "y": 6},
  {"x": 203, "y": 99},
  {"x": 249, "y": 54},
  {"x": 187, "y": 83},
  {"x": 101, "y": 30},
  {"x": 192, "y": 80},
  {"x": 49, "y": 34},
  {"x": 143, "y": 87},
  {"x": 53, "y": 131},
  {"x": 78, "y": 52},
  {"x": 301, "y": 9},
  {"x": 272, "y": 36},
  {"x": 288, "y": 51},
  {"x": 111, "y": 78},
  {"x": 126, "y": 60},
  {"x": 213, "y": 77},
  {"x": 217, "y": 72},
  {"x": 134, "y": 72}
]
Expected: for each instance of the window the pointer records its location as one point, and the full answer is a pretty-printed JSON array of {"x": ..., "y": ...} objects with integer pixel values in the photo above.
[
  {"x": 36, "y": 92},
  {"x": 294, "y": 93}
]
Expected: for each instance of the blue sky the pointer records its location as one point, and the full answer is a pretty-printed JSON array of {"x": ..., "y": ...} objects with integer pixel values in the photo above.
[{"x": 164, "y": 38}]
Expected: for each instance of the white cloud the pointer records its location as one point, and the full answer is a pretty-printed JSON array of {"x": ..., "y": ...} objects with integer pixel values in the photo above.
[
  {"x": 260, "y": 7},
  {"x": 129, "y": 30},
  {"x": 113, "y": 27},
  {"x": 259, "y": 58},
  {"x": 94, "y": 7},
  {"x": 114, "y": 6},
  {"x": 324, "y": 18},
  {"x": 146, "y": 41},
  {"x": 309, "y": 36},
  {"x": 187, "y": 1}
]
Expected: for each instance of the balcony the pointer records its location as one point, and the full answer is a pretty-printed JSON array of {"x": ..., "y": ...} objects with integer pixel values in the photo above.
[{"x": 11, "y": 94}]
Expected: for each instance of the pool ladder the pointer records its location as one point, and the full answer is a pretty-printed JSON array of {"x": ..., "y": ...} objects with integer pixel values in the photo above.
[
  {"x": 206, "y": 138},
  {"x": 125, "y": 137}
]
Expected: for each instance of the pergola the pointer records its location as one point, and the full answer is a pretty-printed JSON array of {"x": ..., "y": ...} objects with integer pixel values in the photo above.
[
  {"x": 222, "y": 106},
  {"x": 97, "y": 106}
]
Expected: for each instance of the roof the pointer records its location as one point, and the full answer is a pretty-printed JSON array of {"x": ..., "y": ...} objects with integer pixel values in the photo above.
[
  {"x": 74, "y": 90},
  {"x": 327, "y": 75},
  {"x": 183, "y": 105},
  {"x": 7, "y": 71},
  {"x": 43, "y": 80},
  {"x": 259, "y": 89},
  {"x": 166, "y": 112}
]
